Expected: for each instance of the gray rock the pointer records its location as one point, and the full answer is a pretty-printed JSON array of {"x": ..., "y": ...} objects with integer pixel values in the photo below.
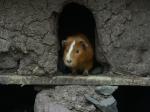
[
  {"x": 7, "y": 62},
  {"x": 97, "y": 70},
  {"x": 123, "y": 37},
  {"x": 70, "y": 97},
  {"x": 48, "y": 61},
  {"x": 57, "y": 108},
  {"x": 106, "y": 90},
  {"x": 108, "y": 104},
  {"x": 44, "y": 104},
  {"x": 35, "y": 46},
  {"x": 19, "y": 42},
  {"x": 108, "y": 101},
  {"x": 4, "y": 45},
  {"x": 28, "y": 66},
  {"x": 27, "y": 33}
]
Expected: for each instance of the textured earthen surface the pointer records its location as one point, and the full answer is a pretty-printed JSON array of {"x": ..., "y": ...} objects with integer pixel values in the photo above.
[
  {"x": 70, "y": 97},
  {"x": 123, "y": 29},
  {"x": 28, "y": 37},
  {"x": 28, "y": 43}
]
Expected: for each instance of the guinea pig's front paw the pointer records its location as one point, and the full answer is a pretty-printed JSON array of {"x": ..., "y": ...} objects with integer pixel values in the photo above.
[{"x": 85, "y": 72}]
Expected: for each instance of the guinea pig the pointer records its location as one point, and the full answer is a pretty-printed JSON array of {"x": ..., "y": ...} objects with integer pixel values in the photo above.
[{"x": 78, "y": 53}]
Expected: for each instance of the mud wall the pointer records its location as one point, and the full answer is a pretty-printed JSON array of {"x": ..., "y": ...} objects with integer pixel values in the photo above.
[
  {"x": 27, "y": 40},
  {"x": 28, "y": 34},
  {"x": 123, "y": 27}
]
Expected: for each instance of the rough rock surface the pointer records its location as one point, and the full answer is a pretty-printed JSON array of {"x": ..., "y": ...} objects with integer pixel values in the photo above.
[
  {"x": 108, "y": 104},
  {"x": 105, "y": 90},
  {"x": 123, "y": 28},
  {"x": 70, "y": 97},
  {"x": 26, "y": 30}
]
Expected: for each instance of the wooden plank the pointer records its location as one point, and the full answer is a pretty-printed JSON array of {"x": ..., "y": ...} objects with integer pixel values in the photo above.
[
  {"x": 101, "y": 80},
  {"x": 23, "y": 80},
  {"x": 104, "y": 79}
]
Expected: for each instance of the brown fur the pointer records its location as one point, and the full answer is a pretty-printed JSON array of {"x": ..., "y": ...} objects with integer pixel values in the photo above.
[{"x": 82, "y": 60}]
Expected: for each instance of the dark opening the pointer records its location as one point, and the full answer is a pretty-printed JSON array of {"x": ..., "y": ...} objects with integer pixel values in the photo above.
[
  {"x": 133, "y": 99},
  {"x": 16, "y": 98},
  {"x": 73, "y": 19},
  {"x": 76, "y": 18}
]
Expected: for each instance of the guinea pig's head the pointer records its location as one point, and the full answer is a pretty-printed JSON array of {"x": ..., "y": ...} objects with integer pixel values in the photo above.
[{"x": 74, "y": 52}]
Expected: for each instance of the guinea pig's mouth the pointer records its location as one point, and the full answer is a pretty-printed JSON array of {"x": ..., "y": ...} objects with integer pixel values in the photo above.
[{"x": 68, "y": 64}]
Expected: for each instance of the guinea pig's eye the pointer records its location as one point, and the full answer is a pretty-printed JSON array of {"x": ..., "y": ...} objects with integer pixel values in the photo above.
[{"x": 77, "y": 51}]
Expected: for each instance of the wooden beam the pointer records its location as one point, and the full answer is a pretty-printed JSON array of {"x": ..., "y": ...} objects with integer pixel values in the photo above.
[{"x": 104, "y": 79}]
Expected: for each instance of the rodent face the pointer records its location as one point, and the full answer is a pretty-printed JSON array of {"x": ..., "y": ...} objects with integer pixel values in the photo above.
[{"x": 74, "y": 52}]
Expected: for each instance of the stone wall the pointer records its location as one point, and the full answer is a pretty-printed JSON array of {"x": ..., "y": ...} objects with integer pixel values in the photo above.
[
  {"x": 28, "y": 43},
  {"x": 28, "y": 36},
  {"x": 123, "y": 29}
]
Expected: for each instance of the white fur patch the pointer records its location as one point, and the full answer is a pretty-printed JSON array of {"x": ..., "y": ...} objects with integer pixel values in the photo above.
[{"x": 68, "y": 56}]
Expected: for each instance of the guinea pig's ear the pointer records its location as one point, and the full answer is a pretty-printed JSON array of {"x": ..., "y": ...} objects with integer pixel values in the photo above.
[
  {"x": 84, "y": 45},
  {"x": 63, "y": 42}
]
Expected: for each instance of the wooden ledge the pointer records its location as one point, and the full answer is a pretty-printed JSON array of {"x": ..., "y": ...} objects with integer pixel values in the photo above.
[{"x": 104, "y": 79}]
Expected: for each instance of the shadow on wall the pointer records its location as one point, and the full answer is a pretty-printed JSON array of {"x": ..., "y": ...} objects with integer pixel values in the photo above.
[{"x": 74, "y": 19}]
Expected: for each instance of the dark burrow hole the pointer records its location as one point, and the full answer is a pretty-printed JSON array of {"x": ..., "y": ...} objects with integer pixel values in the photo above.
[
  {"x": 17, "y": 99},
  {"x": 133, "y": 99},
  {"x": 73, "y": 19}
]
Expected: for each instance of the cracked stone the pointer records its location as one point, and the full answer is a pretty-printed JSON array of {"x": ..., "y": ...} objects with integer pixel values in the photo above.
[
  {"x": 35, "y": 45},
  {"x": 4, "y": 45},
  {"x": 7, "y": 62},
  {"x": 48, "y": 62},
  {"x": 106, "y": 90},
  {"x": 49, "y": 39},
  {"x": 70, "y": 97},
  {"x": 108, "y": 104}
]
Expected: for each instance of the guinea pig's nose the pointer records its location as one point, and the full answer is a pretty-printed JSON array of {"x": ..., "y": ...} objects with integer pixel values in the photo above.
[{"x": 69, "y": 61}]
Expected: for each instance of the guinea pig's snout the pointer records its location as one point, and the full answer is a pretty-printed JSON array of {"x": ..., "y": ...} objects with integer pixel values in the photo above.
[{"x": 69, "y": 61}]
